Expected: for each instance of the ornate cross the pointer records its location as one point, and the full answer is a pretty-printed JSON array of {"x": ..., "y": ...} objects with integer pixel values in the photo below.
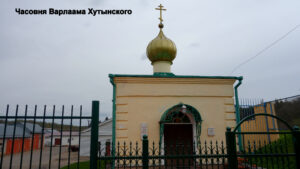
[{"x": 161, "y": 9}]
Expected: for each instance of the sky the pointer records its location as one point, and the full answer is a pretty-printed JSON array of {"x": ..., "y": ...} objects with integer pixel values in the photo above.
[{"x": 65, "y": 60}]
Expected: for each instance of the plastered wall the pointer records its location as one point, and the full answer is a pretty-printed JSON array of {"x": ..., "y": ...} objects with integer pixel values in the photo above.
[{"x": 144, "y": 100}]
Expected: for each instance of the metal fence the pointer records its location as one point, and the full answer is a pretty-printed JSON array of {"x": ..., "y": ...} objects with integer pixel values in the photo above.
[
  {"x": 279, "y": 154},
  {"x": 257, "y": 150},
  {"x": 41, "y": 138},
  {"x": 177, "y": 155},
  {"x": 258, "y": 123},
  {"x": 45, "y": 139}
]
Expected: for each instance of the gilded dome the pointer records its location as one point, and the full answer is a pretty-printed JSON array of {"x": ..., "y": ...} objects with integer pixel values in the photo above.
[{"x": 161, "y": 48}]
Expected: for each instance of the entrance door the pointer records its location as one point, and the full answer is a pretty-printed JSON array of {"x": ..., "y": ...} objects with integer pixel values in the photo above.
[
  {"x": 178, "y": 140},
  {"x": 57, "y": 141}
]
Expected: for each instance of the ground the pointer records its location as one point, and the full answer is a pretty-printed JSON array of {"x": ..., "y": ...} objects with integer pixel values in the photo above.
[{"x": 45, "y": 159}]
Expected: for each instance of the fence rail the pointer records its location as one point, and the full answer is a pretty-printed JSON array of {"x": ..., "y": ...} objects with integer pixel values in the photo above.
[
  {"x": 41, "y": 139},
  {"x": 151, "y": 155},
  {"x": 264, "y": 148},
  {"x": 51, "y": 139}
]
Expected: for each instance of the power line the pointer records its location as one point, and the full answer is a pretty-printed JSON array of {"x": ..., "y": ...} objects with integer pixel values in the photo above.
[{"x": 266, "y": 48}]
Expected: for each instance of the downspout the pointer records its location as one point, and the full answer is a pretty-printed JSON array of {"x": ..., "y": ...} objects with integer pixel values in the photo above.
[
  {"x": 237, "y": 110},
  {"x": 113, "y": 118}
]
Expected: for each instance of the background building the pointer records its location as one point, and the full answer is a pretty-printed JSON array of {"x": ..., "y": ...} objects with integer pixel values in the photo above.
[
  {"x": 104, "y": 137},
  {"x": 24, "y": 135}
]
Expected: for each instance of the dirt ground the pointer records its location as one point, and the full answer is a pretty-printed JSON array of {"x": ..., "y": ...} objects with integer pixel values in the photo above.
[{"x": 44, "y": 161}]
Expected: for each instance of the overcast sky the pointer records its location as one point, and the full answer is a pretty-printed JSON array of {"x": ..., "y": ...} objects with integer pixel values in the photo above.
[{"x": 49, "y": 59}]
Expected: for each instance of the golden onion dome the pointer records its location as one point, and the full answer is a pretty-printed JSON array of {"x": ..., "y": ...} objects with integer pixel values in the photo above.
[{"x": 161, "y": 48}]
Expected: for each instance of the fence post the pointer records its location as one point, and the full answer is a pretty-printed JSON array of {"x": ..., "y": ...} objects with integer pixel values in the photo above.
[
  {"x": 231, "y": 149},
  {"x": 94, "y": 135},
  {"x": 296, "y": 140},
  {"x": 145, "y": 152}
]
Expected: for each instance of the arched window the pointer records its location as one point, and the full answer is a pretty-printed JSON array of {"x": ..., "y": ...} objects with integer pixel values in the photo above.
[{"x": 177, "y": 117}]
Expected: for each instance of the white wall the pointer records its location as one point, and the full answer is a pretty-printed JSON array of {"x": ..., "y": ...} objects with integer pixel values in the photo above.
[
  {"x": 64, "y": 140},
  {"x": 85, "y": 144},
  {"x": 74, "y": 141},
  {"x": 104, "y": 135}
]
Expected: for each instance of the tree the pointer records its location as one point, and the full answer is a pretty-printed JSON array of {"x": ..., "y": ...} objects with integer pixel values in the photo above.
[{"x": 288, "y": 111}]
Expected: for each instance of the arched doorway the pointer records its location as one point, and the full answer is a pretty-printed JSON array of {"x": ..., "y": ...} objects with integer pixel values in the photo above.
[
  {"x": 178, "y": 134},
  {"x": 180, "y": 123}
]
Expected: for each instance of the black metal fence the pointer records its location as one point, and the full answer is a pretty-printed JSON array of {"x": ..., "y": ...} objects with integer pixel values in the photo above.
[
  {"x": 280, "y": 154},
  {"x": 45, "y": 139},
  {"x": 263, "y": 148},
  {"x": 177, "y": 155}
]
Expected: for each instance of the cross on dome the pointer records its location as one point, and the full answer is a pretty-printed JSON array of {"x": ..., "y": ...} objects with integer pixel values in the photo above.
[
  {"x": 161, "y": 9},
  {"x": 161, "y": 51}
]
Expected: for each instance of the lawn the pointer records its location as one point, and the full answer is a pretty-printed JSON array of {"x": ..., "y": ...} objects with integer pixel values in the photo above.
[
  {"x": 281, "y": 146},
  {"x": 86, "y": 165}
]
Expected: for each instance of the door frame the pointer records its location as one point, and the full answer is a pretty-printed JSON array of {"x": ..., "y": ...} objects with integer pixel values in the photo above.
[{"x": 193, "y": 115}]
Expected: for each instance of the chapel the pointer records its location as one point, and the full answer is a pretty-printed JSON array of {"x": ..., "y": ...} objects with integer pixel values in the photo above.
[{"x": 168, "y": 107}]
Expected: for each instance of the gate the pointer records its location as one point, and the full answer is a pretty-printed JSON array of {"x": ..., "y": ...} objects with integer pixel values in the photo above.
[{"x": 264, "y": 148}]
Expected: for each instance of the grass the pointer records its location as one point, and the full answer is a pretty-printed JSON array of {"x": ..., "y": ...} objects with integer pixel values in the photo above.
[
  {"x": 86, "y": 165},
  {"x": 281, "y": 146}
]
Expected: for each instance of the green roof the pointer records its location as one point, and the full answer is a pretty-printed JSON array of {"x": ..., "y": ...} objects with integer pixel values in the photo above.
[{"x": 171, "y": 75}]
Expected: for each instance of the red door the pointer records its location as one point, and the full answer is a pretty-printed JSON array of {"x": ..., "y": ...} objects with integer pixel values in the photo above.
[
  {"x": 178, "y": 140},
  {"x": 57, "y": 141}
]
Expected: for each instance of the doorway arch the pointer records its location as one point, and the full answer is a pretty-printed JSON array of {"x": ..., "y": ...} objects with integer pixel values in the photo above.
[{"x": 181, "y": 113}]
